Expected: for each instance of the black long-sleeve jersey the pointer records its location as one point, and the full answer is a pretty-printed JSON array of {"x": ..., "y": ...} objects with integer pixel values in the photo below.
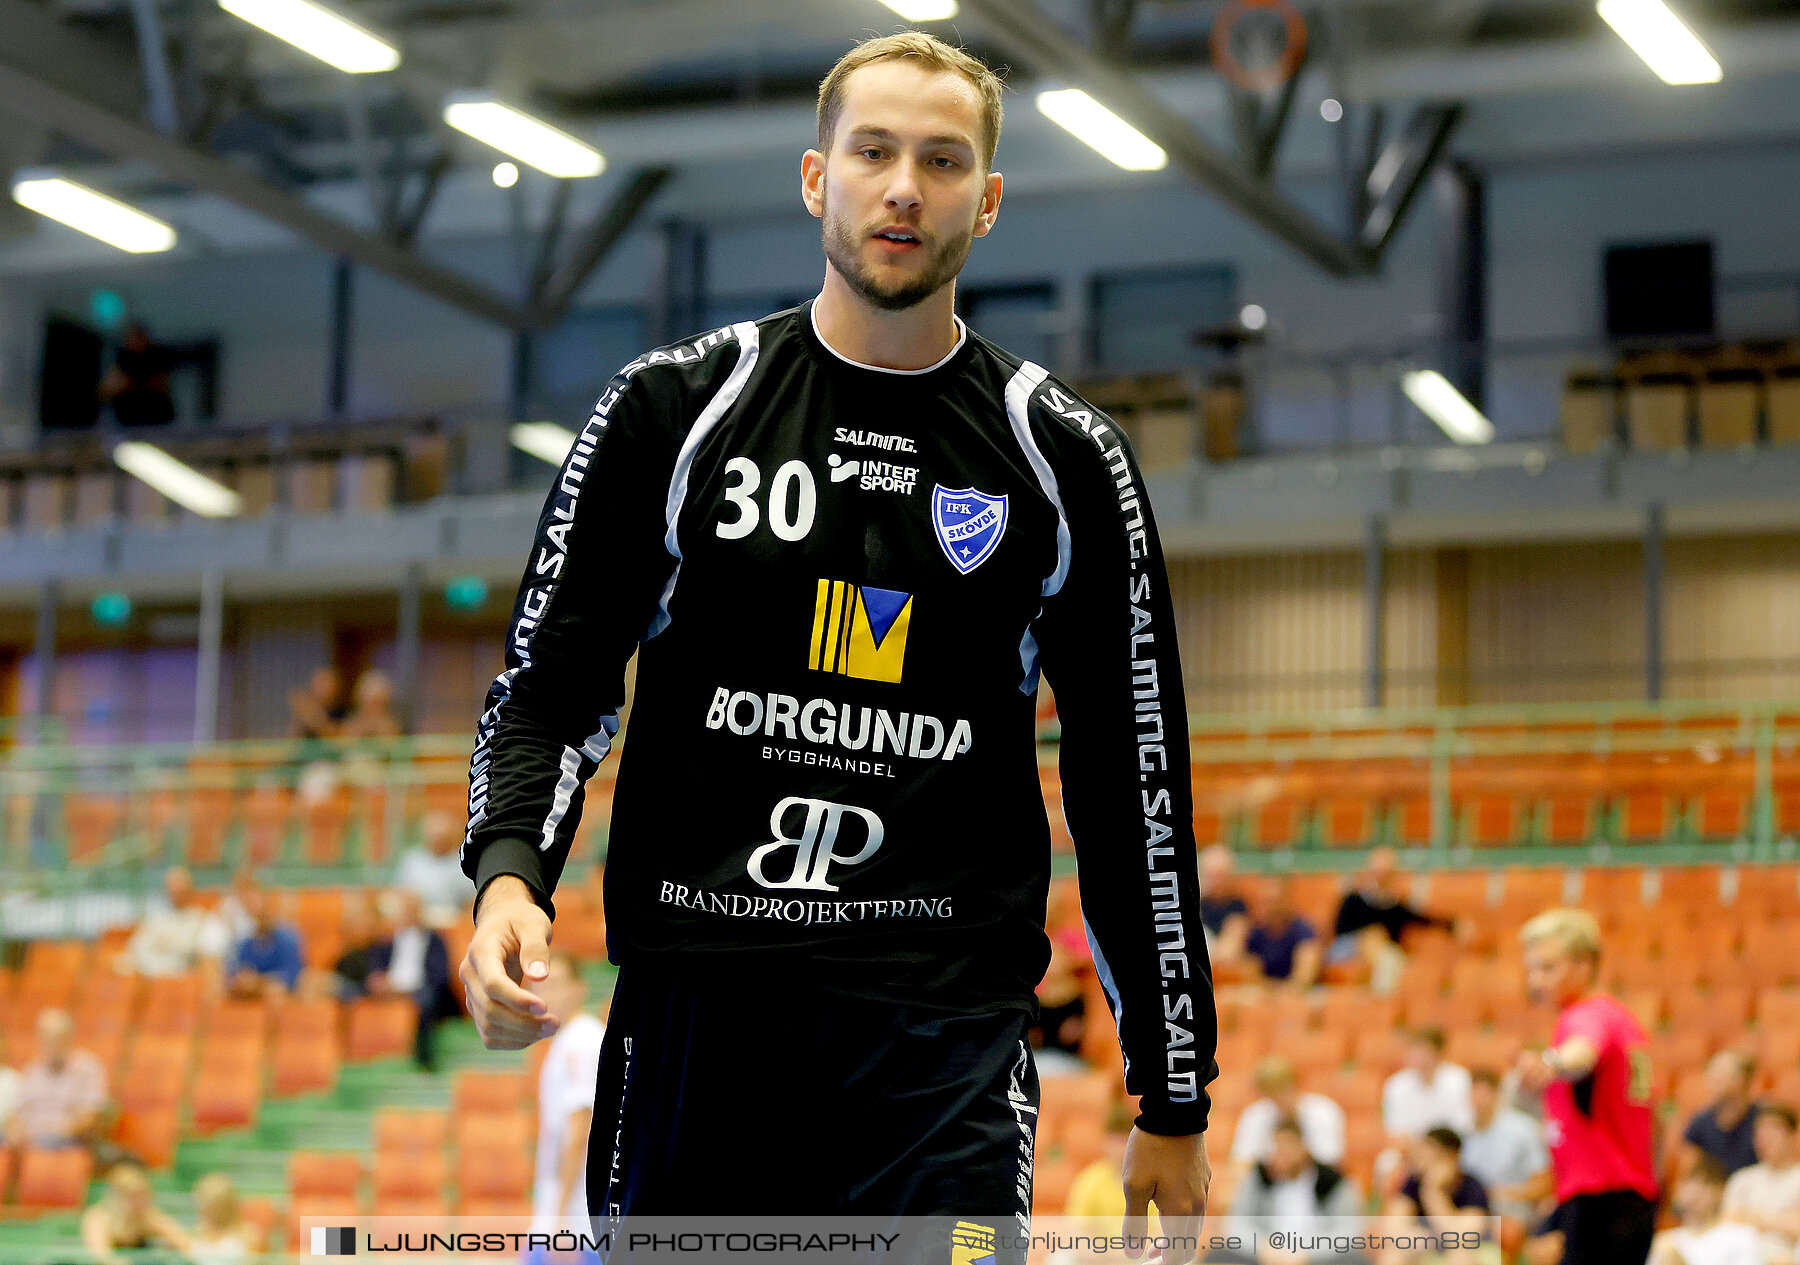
[{"x": 842, "y": 583}]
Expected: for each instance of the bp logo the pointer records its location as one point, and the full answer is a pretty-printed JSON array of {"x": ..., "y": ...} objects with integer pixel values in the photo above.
[{"x": 968, "y": 523}]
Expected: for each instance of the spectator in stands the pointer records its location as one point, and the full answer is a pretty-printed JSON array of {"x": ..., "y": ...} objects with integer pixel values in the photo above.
[
  {"x": 1437, "y": 1192},
  {"x": 362, "y": 935},
  {"x": 126, "y": 1219},
  {"x": 222, "y": 1235},
  {"x": 62, "y": 1095},
  {"x": 268, "y": 961},
  {"x": 1430, "y": 1092},
  {"x": 1703, "y": 1238},
  {"x": 565, "y": 1093},
  {"x": 177, "y": 938},
  {"x": 1766, "y": 1196},
  {"x": 1284, "y": 945},
  {"x": 317, "y": 711},
  {"x": 1505, "y": 1150},
  {"x": 1371, "y": 920},
  {"x": 1223, "y": 911},
  {"x": 1294, "y": 1186},
  {"x": 232, "y": 916},
  {"x": 433, "y": 869},
  {"x": 1321, "y": 1119},
  {"x": 1726, "y": 1127},
  {"x": 137, "y": 386},
  {"x": 414, "y": 962},
  {"x": 372, "y": 712}
]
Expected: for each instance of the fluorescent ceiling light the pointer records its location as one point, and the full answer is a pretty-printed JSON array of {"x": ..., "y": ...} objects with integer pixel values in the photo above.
[
  {"x": 94, "y": 214},
  {"x": 1663, "y": 40},
  {"x": 177, "y": 480},
  {"x": 1445, "y": 405},
  {"x": 1089, "y": 121},
  {"x": 314, "y": 29},
  {"x": 544, "y": 440},
  {"x": 923, "y": 10},
  {"x": 510, "y": 131}
]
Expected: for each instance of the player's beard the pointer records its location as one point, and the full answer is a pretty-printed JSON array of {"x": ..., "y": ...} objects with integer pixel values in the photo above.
[{"x": 844, "y": 247}]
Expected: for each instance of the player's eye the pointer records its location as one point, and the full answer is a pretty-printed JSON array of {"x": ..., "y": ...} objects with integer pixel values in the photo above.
[
  {"x": 948, "y": 163},
  {"x": 868, "y": 150}
]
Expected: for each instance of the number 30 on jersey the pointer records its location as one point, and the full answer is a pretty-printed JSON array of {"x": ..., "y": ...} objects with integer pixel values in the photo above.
[{"x": 792, "y": 499}]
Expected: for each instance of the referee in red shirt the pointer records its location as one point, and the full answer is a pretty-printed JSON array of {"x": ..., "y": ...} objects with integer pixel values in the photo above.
[{"x": 1595, "y": 1079}]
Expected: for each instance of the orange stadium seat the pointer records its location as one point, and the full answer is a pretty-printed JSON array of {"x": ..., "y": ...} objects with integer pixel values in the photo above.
[
  {"x": 492, "y": 1177},
  {"x": 172, "y": 1006},
  {"x": 1348, "y": 821},
  {"x": 1279, "y": 823},
  {"x": 150, "y": 1134},
  {"x": 302, "y": 1065},
  {"x": 481, "y": 1092},
  {"x": 307, "y": 1018},
  {"x": 503, "y": 1131},
  {"x": 1613, "y": 889},
  {"x": 1567, "y": 817},
  {"x": 379, "y": 1027},
  {"x": 1692, "y": 888},
  {"x": 408, "y": 1175},
  {"x": 1774, "y": 889},
  {"x": 226, "y": 1099},
  {"x": 324, "y": 1174},
  {"x": 230, "y": 1055},
  {"x": 1411, "y": 820},
  {"x": 54, "y": 1179},
  {"x": 412, "y": 1132},
  {"x": 239, "y": 1019},
  {"x": 1491, "y": 821},
  {"x": 1778, "y": 1008}
]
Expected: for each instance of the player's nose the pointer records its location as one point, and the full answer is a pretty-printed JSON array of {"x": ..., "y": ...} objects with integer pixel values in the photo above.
[{"x": 903, "y": 187}]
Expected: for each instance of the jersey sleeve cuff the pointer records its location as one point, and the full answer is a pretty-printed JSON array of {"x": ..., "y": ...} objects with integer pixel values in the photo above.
[
  {"x": 1172, "y": 1120},
  {"x": 518, "y": 858}
]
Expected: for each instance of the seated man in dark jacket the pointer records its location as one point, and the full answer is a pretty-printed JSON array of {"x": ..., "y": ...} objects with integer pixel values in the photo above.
[{"x": 414, "y": 962}]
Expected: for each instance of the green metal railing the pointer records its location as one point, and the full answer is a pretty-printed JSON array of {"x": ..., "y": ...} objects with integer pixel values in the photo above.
[{"x": 150, "y": 798}]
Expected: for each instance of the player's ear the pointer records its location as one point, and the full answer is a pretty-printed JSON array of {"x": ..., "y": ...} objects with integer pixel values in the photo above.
[
  {"x": 812, "y": 182},
  {"x": 990, "y": 204}
]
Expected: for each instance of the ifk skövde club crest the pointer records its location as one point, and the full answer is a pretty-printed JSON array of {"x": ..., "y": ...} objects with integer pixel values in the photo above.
[{"x": 969, "y": 524}]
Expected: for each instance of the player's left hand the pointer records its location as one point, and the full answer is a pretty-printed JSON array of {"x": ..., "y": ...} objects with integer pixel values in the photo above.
[
  {"x": 1175, "y": 1174},
  {"x": 1534, "y": 1074}
]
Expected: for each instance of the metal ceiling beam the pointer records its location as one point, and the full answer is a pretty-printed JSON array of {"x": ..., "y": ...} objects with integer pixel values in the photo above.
[
  {"x": 1034, "y": 38},
  {"x": 50, "y": 95},
  {"x": 552, "y": 297}
]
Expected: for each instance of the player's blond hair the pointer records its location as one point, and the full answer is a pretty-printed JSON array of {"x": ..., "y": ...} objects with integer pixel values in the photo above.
[
  {"x": 929, "y": 53},
  {"x": 1575, "y": 931}
]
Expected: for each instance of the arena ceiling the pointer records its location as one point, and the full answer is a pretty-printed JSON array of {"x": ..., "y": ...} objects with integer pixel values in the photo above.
[{"x": 702, "y": 107}]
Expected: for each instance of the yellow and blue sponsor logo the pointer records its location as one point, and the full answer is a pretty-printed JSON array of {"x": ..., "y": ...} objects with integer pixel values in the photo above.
[
  {"x": 859, "y": 630},
  {"x": 972, "y": 1244}
]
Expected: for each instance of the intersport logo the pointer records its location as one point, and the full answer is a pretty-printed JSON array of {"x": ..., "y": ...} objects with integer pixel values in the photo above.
[{"x": 815, "y": 846}]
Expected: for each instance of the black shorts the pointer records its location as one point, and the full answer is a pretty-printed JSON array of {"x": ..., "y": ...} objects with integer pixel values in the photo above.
[
  {"x": 1611, "y": 1227},
  {"x": 744, "y": 1098}
]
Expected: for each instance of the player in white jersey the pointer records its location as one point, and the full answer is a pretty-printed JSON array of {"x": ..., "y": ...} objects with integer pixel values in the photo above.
[{"x": 565, "y": 1104}]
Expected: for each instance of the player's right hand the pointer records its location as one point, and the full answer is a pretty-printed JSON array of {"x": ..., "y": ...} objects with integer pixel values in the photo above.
[{"x": 509, "y": 952}]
